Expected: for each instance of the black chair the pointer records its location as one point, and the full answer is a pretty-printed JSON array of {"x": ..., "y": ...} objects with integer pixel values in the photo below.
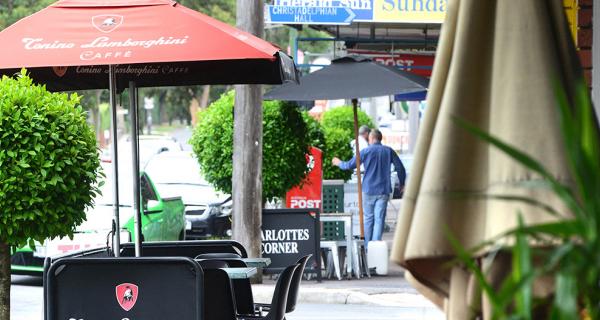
[
  {"x": 218, "y": 255},
  {"x": 189, "y": 249},
  {"x": 294, "y": 288},
  {"x": 83, "y": 287},
  {"x": 280, "y": 296},
  {"x": 295, "y": 284},
  {"x": 219, "y": 300},
  {"x": 242, "y": 289},
  {"x": 213, "y": 264}
]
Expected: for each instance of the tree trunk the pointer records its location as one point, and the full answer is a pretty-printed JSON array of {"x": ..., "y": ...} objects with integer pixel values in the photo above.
[
  {"x": 4, "y": 281},
  {"x": 247, "y": 145},
  {"x": 205, "y": 96}
]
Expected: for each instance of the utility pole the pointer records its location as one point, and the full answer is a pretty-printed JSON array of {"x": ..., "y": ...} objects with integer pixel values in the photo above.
[{"x": 247, "y": 144}]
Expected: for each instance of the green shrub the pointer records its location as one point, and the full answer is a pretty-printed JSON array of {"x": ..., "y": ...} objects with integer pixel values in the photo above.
[
  {"x": 49, "y": 160},
  {"x": 343, "y": 118},
  {"x": 338, "y": 126},
  {"x": 337, "y": 145},
  {"x": 315, "y": 135},
  {"x": 284, "y": 145}
]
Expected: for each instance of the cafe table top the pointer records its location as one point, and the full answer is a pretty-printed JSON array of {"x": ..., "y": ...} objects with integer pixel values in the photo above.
[
  {"x": 257, "y": 262},
  {"x": 250, "y": 262},
  {"x": 240, "y": 273}
]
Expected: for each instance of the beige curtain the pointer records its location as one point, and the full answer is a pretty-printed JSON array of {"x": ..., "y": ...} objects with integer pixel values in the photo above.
[{"x": 496, "y": 67}]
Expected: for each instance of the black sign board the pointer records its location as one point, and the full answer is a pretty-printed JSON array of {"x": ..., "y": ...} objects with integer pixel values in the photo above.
[
  {"x": 124, "y": 288},
  {"x": 290, "y": 234}
]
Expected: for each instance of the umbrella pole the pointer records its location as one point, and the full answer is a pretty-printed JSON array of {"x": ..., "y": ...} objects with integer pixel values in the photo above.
[
  {"x": 358, "y": 175},
  {"x": 137, "y": 218},
  {"x": 112, "y": 84}
]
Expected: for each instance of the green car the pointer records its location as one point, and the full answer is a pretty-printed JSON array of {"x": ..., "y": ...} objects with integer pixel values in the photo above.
[{"x": 163, "y": 219}]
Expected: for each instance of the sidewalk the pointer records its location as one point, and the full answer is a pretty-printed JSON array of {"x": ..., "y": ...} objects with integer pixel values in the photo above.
[{"x": 389, "y": 290}]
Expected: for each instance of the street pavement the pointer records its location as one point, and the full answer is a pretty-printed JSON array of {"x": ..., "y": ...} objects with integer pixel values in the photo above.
[
  {"x": 361, "y": 312},
  {"x": 26, "y": 298}
]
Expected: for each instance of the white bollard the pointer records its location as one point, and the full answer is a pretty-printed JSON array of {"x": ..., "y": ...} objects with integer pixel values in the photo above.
[{"x": 377, "y": 256}]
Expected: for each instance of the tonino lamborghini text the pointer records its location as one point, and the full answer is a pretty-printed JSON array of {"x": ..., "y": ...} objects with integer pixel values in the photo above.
[{"x": 102, "y": 42}]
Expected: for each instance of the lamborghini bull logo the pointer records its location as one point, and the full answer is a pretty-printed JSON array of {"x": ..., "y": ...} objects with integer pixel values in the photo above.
[
  {"x": 127, "y": 294},
  {"x": 107, "y": 22}
]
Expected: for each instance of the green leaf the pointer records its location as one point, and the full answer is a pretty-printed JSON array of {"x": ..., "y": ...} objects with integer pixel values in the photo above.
[
  {"x": 565, "y": 297},
  {"x": 522, "y": 267}
]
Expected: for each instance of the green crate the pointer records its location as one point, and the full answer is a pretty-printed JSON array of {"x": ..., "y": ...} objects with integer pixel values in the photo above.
[
  {"x": 333, "y": 231},
  {"x": 333, "y": 198}
]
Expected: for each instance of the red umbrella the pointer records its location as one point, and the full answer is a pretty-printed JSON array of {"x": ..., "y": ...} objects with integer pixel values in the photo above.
[
  {"x": 91, "y": 44},
  {"x": 69, "y": 44}
]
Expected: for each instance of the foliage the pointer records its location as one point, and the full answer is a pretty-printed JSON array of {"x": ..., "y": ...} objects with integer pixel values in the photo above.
[
  {"x": 343, "y": 118},
  {"x": 336, "y": 145},
  {"x": 338, "y": 126},
  {"x": 571, "y": 243},
  {"x": 49, "y": 162},
  {"x": 315, "y": 135},
  {"x": 13, "y": 10},
  {"x": 284, "y": 145}
]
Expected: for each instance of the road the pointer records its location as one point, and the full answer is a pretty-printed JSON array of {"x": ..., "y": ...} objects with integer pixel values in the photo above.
[
  {"x": 26, "y": 298},
  {"x": 26, "y": 304}
]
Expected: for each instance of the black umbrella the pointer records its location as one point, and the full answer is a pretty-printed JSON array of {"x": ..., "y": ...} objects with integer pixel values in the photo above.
[{"x": 351, "y": 77}]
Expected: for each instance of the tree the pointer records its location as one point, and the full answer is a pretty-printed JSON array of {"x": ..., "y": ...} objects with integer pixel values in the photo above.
[
  {"x": 343, "y": 118},
  {"x": 13, "y": 10},
  {"x": 284, "y": 145},
  {"x": 315, "y": 135},
  {"x": 336, "y": 145},
  {"x": 50, "y": 165},
  {"x": 338, "y": 127}
]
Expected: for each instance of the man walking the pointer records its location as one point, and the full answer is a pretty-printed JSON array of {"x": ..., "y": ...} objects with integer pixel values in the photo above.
[
  {"x": 376, "y": 187},
  {"x": 363, "y": 138}
]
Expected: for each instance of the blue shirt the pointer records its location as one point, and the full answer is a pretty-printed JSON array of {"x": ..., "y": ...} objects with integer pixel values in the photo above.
[{"x": 377, "y": 160}]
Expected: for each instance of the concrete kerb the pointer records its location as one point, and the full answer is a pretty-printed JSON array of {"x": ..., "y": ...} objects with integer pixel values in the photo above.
[{"x": 263, "y": 294}]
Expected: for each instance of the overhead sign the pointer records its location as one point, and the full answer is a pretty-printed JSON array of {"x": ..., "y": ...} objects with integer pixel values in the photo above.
[
  {"x": 347, "y": 11},
  {"x": 308, "y": 15},
  {"x": 409, "y": 11},
  {"x": 417, "y": 63}
]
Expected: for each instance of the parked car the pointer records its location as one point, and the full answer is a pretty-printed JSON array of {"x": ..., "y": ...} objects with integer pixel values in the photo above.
[
  {"x": 207, "y": 211},
  {"x": 149, "y": 145},
  {"x": 162, "y": 220}
]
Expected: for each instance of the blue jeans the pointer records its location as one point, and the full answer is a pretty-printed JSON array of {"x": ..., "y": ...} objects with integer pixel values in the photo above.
[{"x": 374, "y": 209}]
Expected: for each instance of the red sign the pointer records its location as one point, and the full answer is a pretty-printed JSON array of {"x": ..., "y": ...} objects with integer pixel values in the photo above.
[
  {"x": 420, "y": 64},
  {"x": 127, "y": 294},
  {"x": 308, "y": 194}
]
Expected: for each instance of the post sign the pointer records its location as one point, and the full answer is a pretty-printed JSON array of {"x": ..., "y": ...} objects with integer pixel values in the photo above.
[
  {"x": 346, "y": 11},
  {"x": 288, "y": 235},
  {"x": 308, "y": 193},
  {"x": 417, "y": 63}
]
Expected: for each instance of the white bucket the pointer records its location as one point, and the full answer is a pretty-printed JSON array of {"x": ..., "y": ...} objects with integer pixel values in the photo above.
[{"x": 377, "y": 257}]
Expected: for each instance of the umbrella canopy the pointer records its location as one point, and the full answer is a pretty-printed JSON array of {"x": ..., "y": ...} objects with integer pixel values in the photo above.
[
  {"x": 69, "y": 44},
  {"x": 350, "y": 77},
  {"x": 497, "y": 67}
]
